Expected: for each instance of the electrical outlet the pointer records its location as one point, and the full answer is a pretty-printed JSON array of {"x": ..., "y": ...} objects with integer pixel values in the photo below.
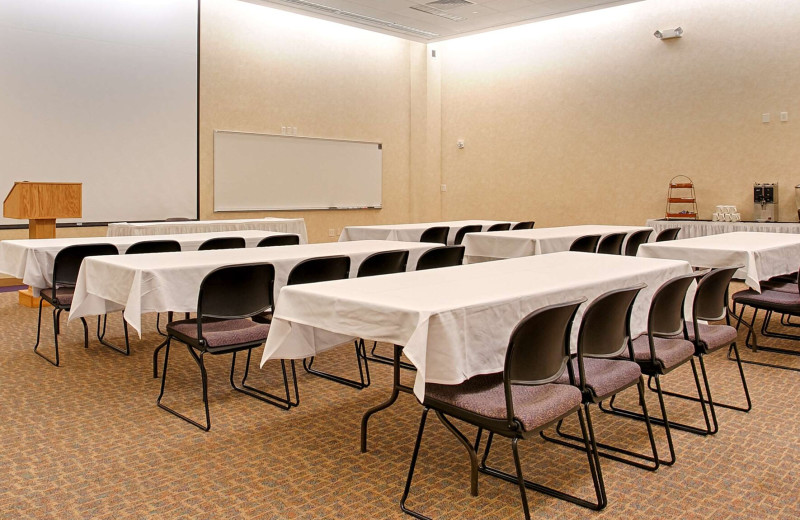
[{"x": 332, "y": 232}]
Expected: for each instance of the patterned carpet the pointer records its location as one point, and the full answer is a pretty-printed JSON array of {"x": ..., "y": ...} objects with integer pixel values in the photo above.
[{"x": 86, "y": 440}]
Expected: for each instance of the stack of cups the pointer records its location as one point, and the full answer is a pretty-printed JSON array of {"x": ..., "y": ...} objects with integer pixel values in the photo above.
[{"x": 726, "y": 214}]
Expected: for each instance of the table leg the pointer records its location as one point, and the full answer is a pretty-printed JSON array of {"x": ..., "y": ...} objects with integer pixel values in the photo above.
[{"x": 396, "y": 389}]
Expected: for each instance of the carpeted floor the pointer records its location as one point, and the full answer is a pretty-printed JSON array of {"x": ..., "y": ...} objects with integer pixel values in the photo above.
[{"x": 86, "y": 440}]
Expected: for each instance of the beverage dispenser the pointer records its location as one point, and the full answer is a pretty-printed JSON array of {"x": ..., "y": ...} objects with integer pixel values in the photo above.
[{"x": 765, "y": 202}]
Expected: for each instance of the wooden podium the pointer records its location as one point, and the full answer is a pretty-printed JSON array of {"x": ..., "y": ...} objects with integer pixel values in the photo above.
[{"x": 42, "y": 203}]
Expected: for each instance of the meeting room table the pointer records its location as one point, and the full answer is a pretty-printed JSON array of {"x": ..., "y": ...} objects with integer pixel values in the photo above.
[
  {"x": 481, "y": 247},
  {"x": 762, "y": 255},
  {"x": 163, "y": 282},
  {"x": 453, "y": 323},
  {"x": 31, "y": 260},
  {"x": 295, "y": 226},
  {"x": 411, "y": 232}
]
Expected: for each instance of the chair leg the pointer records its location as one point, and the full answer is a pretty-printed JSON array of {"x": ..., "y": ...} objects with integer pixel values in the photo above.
[
  {"x": 709, "y": 419},
  {"x": 101, "y": 336},
  {"x": 281, "y": 402},
  {"x": 664, "y": 421},
  {"x": 411, "y": 468},
  {"x": 160, "y": 345},
  {"x": 85, "y": 333},
  {"x": 361, "y": 384},
  {"x": 386, "y": 360},
  {"x": 203, "y": 375},
  {"x": 473, "y": 456},
  {"x": 733, "y": 348},
  {"x": 755, "y": 347},
  {"x": 39, "y": 335},
  {"x": 653, "y": 459},
  {"x": 594, "y": 467}
]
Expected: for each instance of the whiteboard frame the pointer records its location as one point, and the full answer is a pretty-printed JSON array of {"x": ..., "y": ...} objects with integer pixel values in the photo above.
[{"x": 291, "y": 208}]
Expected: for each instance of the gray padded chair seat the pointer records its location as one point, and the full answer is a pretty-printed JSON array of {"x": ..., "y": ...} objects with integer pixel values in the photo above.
[
  {"x": 534, "y": 406},
  {"x": 670, "y": 352},
  {"x": 605, "y": 377},
  {"x": 221, "y": 332},
  {"x": 63, "y": 295},
  {"x": 714, "y": 336},
  {"x": 770, "y": 300}
]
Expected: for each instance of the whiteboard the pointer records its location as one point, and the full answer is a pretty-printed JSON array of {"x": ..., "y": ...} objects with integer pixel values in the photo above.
[
  {"x": 279, "y": 172},
  {"x": 102, "y": 92}
]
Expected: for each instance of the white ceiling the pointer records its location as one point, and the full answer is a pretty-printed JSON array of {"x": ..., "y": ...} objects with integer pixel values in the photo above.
[{"x": 409, "y": 19}]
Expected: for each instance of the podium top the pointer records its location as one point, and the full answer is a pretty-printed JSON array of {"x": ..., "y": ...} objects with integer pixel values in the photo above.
[{"x": 43, "y": 200}]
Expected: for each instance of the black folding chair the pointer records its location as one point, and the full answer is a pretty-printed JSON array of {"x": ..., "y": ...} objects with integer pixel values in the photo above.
[
  {"x": 279, "y": 240},
  {"x": 384, "y": 262},
  {"x": 324, "y": 269},
  {"x": 585, "y": 244},
  {"x": 636, "y": 239},
  {"x": 66, "y": 266},
  {"x": 436, "y": 234},
  {"x": 604, "y": 336},
  {"x": 516, "y": 404},
  {"x": 667, "y": 234},
  {"x": 138, "y": 248},
  {"x": 611, "y": 244},
  {"x": 223, "y": 243},
  {"x": 228, "y": 296},
  {"x": 503, "y": 226},
  {"x": 463, "y": 231},
  {"x": 523, "y": 225},
  {"x": 444, "y": 256}
]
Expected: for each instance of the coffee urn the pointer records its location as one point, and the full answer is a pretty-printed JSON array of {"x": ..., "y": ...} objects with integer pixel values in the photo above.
[{"x": 765, "y": 202}]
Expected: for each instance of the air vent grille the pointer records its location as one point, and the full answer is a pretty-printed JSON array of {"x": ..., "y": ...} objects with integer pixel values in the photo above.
[
  {"x": 449, "y": 4},
  {"x": 437, "y": 12},
  {"x": 369, "y": 20}
]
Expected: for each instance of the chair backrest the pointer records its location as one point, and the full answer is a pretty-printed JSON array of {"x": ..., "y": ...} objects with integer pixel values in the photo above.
[
  {"x": 667, "y": 234},
  {"x": 666, "y": 315},
  {"x": 605, "y": 325},
  {"x": 528, "y": 224},
  {"x": 68, "y": 261},
  {"x": 383, "y": 262},
  {"x": 636, "y": 239},
  {"x": 436, "y": 234},
  {"x": 222, "y": 243},
  {"x": 154, "y": 246},
  {"x": 585, "y": 244},
  {"x": 464, "y": 230},
  {"x": 538, "y": 350},
  {"x": 236, "y": 291},
  {"x": 177, "y": 219},
  {"x": 611, "y": 244},
  {"x": 321, "y": 269},
  {"x": 445, "y": 256},
  {"x": 503, "y": 226},
  {"x": 711, "y": 297},
  {"x": 279, "y": 240}
]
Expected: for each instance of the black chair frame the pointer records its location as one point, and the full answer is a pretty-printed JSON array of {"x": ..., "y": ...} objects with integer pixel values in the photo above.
[
  {"x": 666, "y": 235},
  {"x": 279, "y": 240},
  {"x": 441, "y": 256},
  {"x": 512, "y": 429},
  {"x": 262, "y": 272},
  {"x": 223, "y": 243},
  {"x": 437, "y": 234},
  {"x": 500, "y": 226},
  {"x": 65, "y": 273},
  {"x": 585, "y": 244},
  {"x": 601, "y": 305},
  {"x": 527, "y": 224},
  {"x": 636, "y": 239},
  {"x": 463, "y": 231},
  {"x": 724, "y": 275},
  {"x": 322, "y": 269},
  {"x": 611, "y": 244}
]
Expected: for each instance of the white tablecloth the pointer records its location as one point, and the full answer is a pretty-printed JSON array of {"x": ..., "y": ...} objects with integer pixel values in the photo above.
[
  {"x": 762, "y": 254},
  {"x": 296, "y": 226},
  {"x": 526, "y": 242},
  {"x": 170, "y": 281},
  {"x": 410, "y": 232},
  {"x": 702, "y": 228},
  {"x": 32, "y": 260},
  {"x": 454, "y": 323}
]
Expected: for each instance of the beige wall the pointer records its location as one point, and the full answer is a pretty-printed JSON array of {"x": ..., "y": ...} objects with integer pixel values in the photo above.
[
  {"x": 586, "y": 118},
  {"x": 262, "y": 68}
]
